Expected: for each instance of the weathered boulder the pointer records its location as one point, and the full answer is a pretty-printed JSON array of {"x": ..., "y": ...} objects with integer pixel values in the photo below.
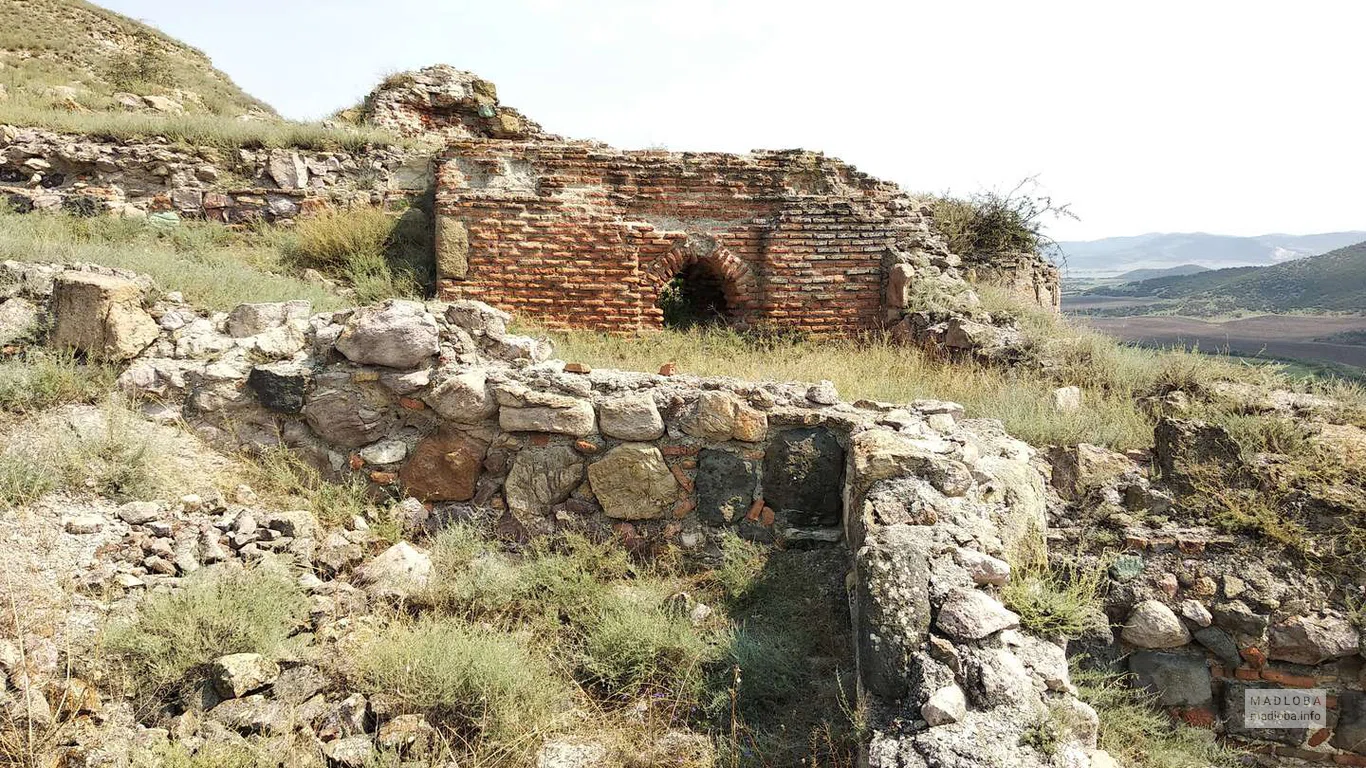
[
  {"x": 253, "y": 714},
  {"x": 720, "y": 416},
  {"x": 239, "y": 674},
  {"x": 395, "y": 334},
  {"x": 983, "y": 568},
  {"x": 971, "y": 614},
  {"x": 396, "y": 572},
  {"x": 346, "y": 414},
  {"x": 1176, "y": 679},
  {"x": 632, "y": 482},
  {"x": 631, "y": 417},
  {"x": 1080, "y": 468},
  {"x": 444, "y": 466},
  {"x": 525, "y": 410},
  {"x": 1312, "y": 639},
  {"x": 945, "y": 706},
  {"x": 1153, "y": 625},
  {"x": 408, "y": 735},
  {"x": 804, "y": 476},
  {"x": 463, "y": 397},
  {"x": 1181, "y": 445},
  {"x": 100, "y": 315},
  {"x": 542, "y": 477},
  {"x": 350, "y": 751},
  {"x": 18, "y": 320},
  {"x": 893, "y": 605},
  {"x": 252, "y": 319},
  {"x": 478, "y": 318}
]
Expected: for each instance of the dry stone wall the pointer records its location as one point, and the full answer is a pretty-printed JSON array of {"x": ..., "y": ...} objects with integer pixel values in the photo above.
[
  {"x": 439, "y": 403},
  {"x": 41, "y": 170}
]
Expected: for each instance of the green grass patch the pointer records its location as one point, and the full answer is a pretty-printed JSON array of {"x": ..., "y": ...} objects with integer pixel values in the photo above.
[
  {"x": 1053, "y": 600},
  {"x": 37, "y": 381},
  {"x": 212, "y": 266},
  {"x": 380, "y": 255}
]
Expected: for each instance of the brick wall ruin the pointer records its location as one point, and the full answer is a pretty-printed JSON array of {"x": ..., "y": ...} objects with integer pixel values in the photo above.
[{"x": 577, "y": 234}]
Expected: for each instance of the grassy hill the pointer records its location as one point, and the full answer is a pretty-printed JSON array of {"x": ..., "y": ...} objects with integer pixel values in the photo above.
[
  {"x": 73, "y": 55},
  {"x": 1333, "y": 282},
  {"x": 73, "y": 67}
]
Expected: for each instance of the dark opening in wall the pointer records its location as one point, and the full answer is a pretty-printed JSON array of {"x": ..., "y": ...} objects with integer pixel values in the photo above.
[{"x": 695, "y": 297}]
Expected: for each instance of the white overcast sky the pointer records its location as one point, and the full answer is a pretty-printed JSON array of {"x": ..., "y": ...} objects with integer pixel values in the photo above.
[{"x": 1230, "y": 116}]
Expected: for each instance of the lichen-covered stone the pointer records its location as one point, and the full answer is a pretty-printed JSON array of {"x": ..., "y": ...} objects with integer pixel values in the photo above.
[
  {"x": 725, "y": 485},
  {"x": 804, "y": 476},
  {"x": 720, "y": 416},
  {"x": 632, "y": 482},
  {"x": 971, "y": 614},
  {"x": 542, "y": 477}
]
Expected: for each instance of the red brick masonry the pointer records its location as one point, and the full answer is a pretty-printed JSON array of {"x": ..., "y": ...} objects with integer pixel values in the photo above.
[{"x": 576, "y": 234}]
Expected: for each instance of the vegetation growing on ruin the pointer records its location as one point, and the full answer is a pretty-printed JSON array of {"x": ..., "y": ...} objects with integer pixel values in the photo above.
[
  {"x": 219, "y": 267},
  {"x": 1140, "y": 735},
  {"x": 378, "y": 255},
  {"x": 990, "y": 222}
]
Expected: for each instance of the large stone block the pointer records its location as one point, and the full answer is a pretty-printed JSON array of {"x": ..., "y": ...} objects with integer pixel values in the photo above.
[
  {"x": 100, "y": 315},
  {"x": 631, "y": 417},
  {"x": 396, "y": 334},
  {"x": 892, "y": 601},
  {"x": 444, "y": 467},
  {"x": 632, "y": 482},
  {"x": 1351, "y": 731},
  {"x": 452, "y": 248},
  {"x": 1177, "y": 679},
  {"x": 725, "y": 485},
  {"x": 804, "y": 476},
  {"x": 542, "y": 477}
]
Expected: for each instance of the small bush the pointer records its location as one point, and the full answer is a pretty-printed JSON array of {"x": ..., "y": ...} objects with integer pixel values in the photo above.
[
  {"x": 24, "y": 480},
  {"x": 283, "y": 473},
  {"x": 1052, "y": 601},
  {"x": 38, "y": 381},
  {"x": 635, "y": 646},
  {"x": 175, "y": 636},
  {"x": 991, "y": 222},
  {"x": 479, "y": 680},
  {"x": 381, "y": 256},
  {"x": 742, "y": 562}
]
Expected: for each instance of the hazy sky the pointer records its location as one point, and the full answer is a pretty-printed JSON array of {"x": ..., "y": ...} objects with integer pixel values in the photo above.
[{"x": 1238, "y": 117}]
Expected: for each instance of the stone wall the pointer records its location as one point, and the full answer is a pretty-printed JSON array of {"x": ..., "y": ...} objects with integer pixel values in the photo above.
[
  {"x": 439, "y": 403},
  {"x": 42, "y": 170},
  {"x": 1198, "y": 615}
]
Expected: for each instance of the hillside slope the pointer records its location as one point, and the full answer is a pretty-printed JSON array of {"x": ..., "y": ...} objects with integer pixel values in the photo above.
[
  {"x": 73, "y": 55},
  {"x": 1152, "y": 274},
  {"x": 1113, "y": 255},
  {"x": 1333, "y": 282}
]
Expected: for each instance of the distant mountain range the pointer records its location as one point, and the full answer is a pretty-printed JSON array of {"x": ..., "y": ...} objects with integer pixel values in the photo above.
[
  {"x": 1148, "y": 274},
  {"x": 1332, "y": 282},
  {"x": 1114, "y": 255}
]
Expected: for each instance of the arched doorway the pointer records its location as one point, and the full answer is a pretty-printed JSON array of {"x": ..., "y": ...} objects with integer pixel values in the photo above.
[
  {"x": 699, "y": 283},
  {"x": 695, "y": 297}
]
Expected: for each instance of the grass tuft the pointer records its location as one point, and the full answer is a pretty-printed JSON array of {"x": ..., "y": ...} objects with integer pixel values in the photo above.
[
  {"x": 35, "y": 381},
  {"x": 173, "y": 638},
  {"x": 481, "y": 681}
]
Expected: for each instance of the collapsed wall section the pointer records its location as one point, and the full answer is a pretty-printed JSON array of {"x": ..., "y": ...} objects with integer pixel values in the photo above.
[{"x": 576, "y": 234}]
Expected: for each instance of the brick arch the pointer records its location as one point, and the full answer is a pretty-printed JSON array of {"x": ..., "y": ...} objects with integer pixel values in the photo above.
[{"x": 738, "y": 282}]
